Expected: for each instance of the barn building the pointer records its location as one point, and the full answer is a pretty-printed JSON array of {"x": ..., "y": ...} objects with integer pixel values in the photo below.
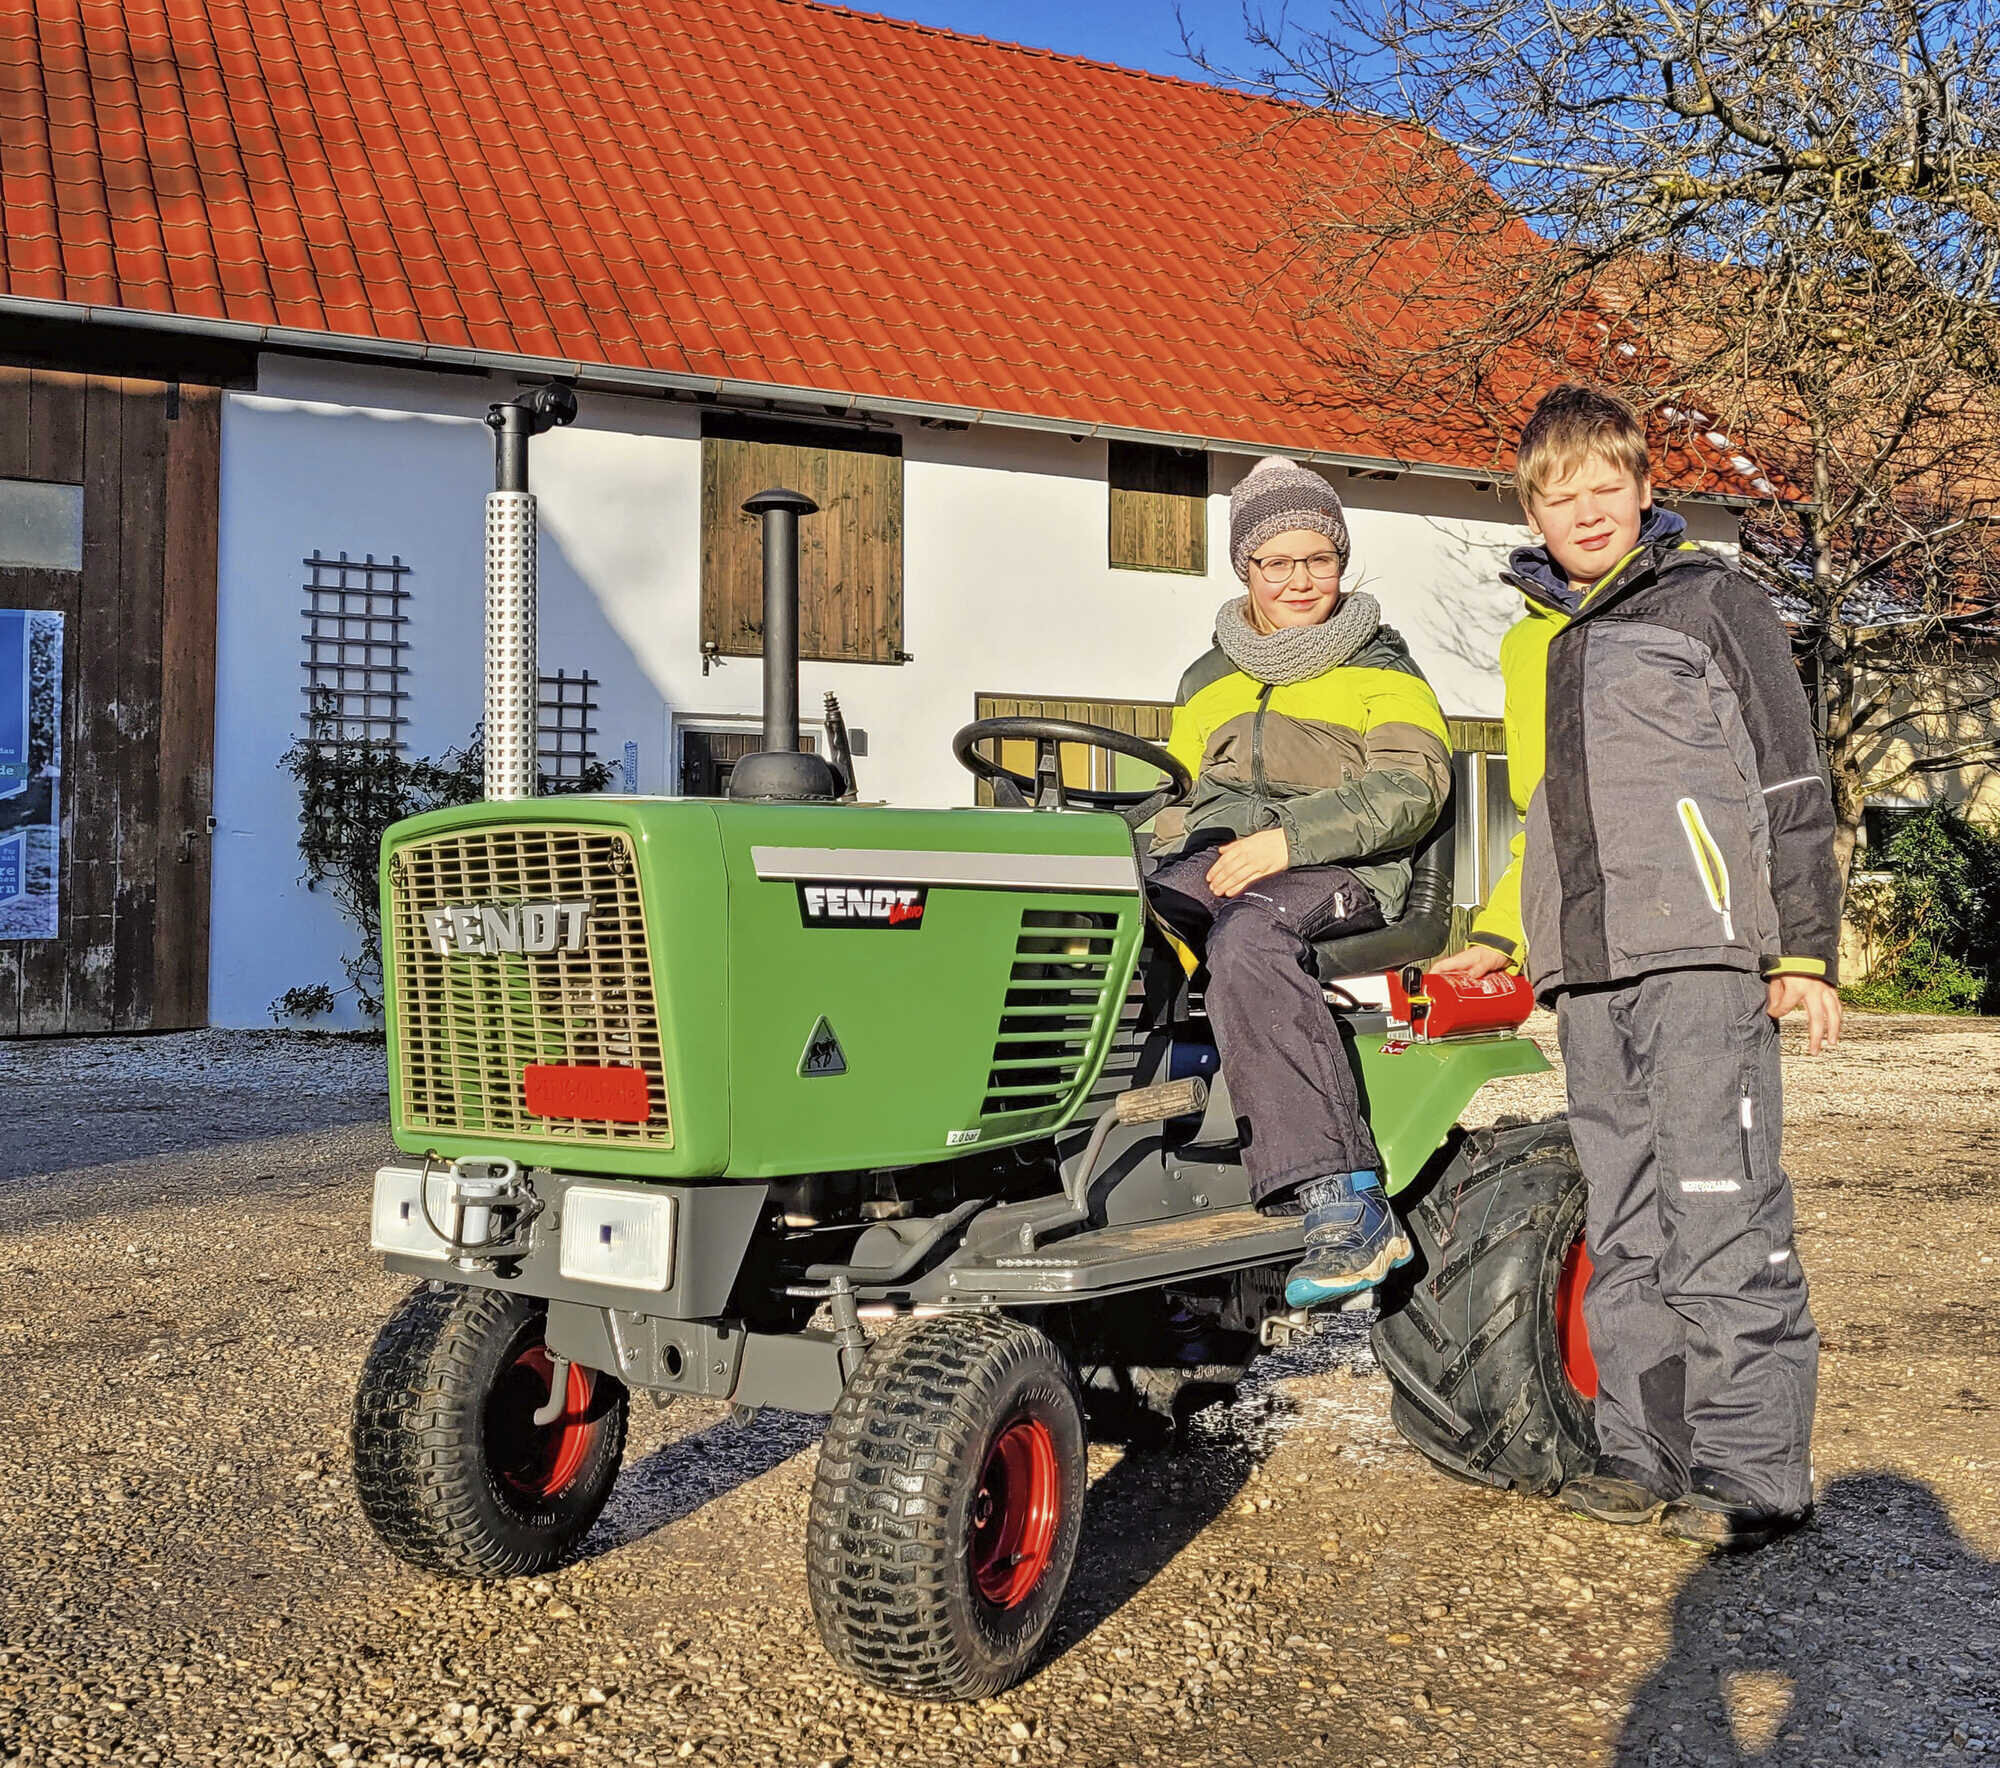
[{"x": 265, "y": 264}]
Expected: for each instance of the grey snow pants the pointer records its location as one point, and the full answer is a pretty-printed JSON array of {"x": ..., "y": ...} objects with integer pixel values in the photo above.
[
  {"x": 1289, "y": 1078},
  {"x": 1707, "y": 1355}
]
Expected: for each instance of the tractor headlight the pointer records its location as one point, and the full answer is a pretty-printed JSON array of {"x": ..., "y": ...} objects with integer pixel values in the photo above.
[
  {"x": 397, "y": 1223},
  {"x": 621, "y": 1236}
]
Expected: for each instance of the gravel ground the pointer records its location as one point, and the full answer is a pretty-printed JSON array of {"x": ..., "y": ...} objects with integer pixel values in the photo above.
[{"x": 184, "y": 1576}]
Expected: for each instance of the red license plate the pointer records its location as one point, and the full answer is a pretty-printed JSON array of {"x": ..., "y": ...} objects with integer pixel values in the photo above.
[{"x": 611, "y": 1095}]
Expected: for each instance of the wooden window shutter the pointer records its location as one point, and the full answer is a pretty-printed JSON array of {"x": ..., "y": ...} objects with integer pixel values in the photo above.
[
  {"x": 1159, "y": 508},
  {"x": 850, "y": 554}
]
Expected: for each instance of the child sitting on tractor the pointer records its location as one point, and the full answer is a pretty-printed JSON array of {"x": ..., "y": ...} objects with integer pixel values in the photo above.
[
  {"x": 1675, "y": 895},
  {"x": 1321, "y": 759}
]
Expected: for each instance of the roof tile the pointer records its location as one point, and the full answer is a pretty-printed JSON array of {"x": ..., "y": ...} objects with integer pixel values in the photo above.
[{"x": 766, "y": 190}]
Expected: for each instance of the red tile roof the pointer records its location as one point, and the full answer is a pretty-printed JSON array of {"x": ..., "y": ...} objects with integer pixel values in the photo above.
[{"x": 770, "y": 192}]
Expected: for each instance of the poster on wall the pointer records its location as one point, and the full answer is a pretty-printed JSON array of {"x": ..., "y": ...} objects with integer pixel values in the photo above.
[{"x": 30, "y": 771}]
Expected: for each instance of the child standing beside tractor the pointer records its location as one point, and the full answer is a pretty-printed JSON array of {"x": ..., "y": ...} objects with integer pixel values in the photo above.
[
  {"x": 1675, "y": 895},
  {"x": 1321, "y": 760}
]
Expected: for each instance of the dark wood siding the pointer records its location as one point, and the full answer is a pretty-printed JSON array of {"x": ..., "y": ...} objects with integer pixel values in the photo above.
[
  {"x": 138, "y": 698},
  {"x": 1159, "y": 508},
  {"x": 850, "y": 553}
]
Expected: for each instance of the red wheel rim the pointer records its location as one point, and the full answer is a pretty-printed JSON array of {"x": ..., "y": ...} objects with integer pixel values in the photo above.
[
  {"x": 1015, "y": 1513},
  {"x": 533, "y": 1460},
  {"x": 1572, "y": 1336}
]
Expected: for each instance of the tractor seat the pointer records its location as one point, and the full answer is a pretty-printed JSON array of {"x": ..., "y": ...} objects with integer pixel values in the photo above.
[{"x": 1423, "y": 929}]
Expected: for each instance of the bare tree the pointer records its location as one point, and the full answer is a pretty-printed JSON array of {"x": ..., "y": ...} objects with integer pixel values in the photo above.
[{"x": 1775, "y": 226}]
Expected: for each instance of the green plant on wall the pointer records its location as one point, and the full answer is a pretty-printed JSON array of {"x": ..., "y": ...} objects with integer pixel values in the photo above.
[
  {"x": 1929, "y": 918},
  {"x": 350, "y": 790}
]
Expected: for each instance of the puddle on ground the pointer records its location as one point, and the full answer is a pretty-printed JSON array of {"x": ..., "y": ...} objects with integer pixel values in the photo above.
[{"x": 1325, "y": 1384}]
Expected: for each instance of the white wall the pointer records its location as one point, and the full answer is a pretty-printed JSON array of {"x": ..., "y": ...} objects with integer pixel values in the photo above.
[{"x": 1006, "y": 590}]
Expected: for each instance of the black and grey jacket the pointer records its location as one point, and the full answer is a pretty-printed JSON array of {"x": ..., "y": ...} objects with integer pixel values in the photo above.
[{"x": 1683, "y": 816}]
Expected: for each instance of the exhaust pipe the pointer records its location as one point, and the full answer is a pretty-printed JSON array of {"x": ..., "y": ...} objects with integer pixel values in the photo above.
[
  {"x": 779, "y": 772},
  {"x": 513, "y": 683}
]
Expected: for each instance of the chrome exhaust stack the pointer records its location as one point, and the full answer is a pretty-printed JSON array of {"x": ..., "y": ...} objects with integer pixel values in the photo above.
[{"x": 513, "y": 682}]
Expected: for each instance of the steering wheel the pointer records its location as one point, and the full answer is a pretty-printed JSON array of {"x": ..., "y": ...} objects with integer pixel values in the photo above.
[{"x": 1046, "y": 790}]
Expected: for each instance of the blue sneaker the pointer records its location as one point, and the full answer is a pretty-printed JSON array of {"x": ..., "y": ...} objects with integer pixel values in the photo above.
[{"x": 1353, "y": 1240}]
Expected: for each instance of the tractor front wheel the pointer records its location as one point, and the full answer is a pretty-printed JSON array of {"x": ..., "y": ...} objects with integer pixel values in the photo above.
[
  {"x": 1482, "y": 1337},
  {"x": 454, "y": 1473},
  {"x": 947, "y": 1507}
]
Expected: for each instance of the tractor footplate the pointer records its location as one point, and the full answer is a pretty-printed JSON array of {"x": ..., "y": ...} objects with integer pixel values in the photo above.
[{"x": 1135, "y": 1256}]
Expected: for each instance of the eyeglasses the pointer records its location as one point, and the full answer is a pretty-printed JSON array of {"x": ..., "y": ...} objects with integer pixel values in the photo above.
[{"x": 1278, "y": 569}]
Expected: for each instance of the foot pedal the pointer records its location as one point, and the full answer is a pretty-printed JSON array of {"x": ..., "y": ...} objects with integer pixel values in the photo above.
[
  {"x": 1276, "y": 1331},
  {"x": 1173, "y": 1098}
]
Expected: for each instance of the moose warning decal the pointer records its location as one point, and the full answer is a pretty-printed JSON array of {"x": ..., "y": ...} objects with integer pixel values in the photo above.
[
  {"x": 883, "y": 906},
  {"x": 823, "y": 1054}
]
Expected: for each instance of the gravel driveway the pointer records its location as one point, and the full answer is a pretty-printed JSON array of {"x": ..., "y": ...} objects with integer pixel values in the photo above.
[{"x": 186, "y": 1295}]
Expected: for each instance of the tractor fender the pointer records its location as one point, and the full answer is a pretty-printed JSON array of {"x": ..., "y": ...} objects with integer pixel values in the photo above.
[{"x": 1414, "y": 1093}]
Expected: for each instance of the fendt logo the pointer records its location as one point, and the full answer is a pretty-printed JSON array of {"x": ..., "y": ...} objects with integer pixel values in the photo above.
[
  {"x": 862, "y": 905},
  {"x": 488, "y": 930}
]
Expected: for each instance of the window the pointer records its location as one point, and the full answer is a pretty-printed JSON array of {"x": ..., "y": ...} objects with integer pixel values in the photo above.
[
  {"x": 1159, "y": 508},
  {"x": 850, "y": 553},
  {"x": 356, "y": 650},
  {"x": 565, "y": 707},
  {"x": 709, "y": 756},
  {"x": 41, "y": 525},
  {"x": 1151, "y": 719},
  {"x": 1879, "y": 825}
]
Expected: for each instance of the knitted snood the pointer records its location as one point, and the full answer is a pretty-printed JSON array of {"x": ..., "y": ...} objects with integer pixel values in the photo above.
[{"x": 1296, "y": 653}]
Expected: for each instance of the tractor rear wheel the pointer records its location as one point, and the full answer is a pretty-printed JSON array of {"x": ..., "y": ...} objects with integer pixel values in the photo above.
[
  {"x": 947, "y": 1506},
  {"x": 1482, "y": 1336},
  {"x": 454, "y": 1473}
]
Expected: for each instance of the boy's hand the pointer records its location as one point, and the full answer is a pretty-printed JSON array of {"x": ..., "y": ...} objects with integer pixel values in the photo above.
[
  {"x": 1472, "y": 963},
  {"x": 1241, "y": 863},
  {"x": 1785, "y": 994}
]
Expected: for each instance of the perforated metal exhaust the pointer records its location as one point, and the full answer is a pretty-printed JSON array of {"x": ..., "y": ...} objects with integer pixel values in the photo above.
[
  {"x": 511, "y": 675},
  {"x": 513, "y": 681}
]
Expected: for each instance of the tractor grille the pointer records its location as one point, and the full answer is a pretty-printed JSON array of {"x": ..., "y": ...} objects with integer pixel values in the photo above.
[
  {"x": 1053, "y": 1014},
  {"x": 468, "y": 1023}
]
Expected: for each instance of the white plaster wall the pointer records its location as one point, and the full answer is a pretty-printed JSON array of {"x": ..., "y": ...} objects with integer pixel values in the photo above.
[{"x": 1006, "y": 590}]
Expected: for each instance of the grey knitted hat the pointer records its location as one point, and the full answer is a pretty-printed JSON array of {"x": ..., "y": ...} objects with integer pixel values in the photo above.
[{"x": 1276, "y": 496}]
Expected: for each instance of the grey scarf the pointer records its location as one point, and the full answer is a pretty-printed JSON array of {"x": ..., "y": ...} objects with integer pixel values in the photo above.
[{"x": 1297, "y": 653}]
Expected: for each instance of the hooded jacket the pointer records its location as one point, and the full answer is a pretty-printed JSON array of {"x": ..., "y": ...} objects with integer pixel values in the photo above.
[
  {"x": 1353, "y": 764},
  {"x": 1660, "y": 749}
]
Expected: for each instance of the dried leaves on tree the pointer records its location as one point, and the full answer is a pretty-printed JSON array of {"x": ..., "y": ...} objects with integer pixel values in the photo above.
[{"x": 1776, "y": 227}]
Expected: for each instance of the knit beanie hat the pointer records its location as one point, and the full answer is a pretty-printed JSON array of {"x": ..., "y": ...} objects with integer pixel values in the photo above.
[{"x": 1276, "y": 496}]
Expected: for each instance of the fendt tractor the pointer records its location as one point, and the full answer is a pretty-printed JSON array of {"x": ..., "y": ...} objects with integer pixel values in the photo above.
[{"x": 909, "y": 1117}]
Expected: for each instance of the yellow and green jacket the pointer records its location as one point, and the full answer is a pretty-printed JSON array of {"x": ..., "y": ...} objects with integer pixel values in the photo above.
[
  {"x": 1353, "y": 764},
  {"x": 1686, "y": 820}
]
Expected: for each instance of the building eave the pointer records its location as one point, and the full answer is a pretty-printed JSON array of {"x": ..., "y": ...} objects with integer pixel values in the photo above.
[{"x": 659, "y": 383}]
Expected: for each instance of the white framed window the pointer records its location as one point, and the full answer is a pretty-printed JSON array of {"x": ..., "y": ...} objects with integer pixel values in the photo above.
[{"x": 706, "y": 749}]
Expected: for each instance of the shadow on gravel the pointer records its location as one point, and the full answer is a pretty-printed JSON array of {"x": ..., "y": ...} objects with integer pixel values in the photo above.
[
  {"x": 1141, "y": 1516},
  {"x": 679, "y": 1477},
  {"x": 1872, "y": 1636},
  {"x": 1155, "y": 1503}
]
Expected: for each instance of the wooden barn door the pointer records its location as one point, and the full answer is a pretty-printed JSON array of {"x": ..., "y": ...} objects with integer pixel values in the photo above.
[{"x": 138, "y": 698}]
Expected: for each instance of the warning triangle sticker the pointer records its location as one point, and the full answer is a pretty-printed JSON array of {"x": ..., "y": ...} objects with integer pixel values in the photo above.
[{"x": 823, "y": 1055}]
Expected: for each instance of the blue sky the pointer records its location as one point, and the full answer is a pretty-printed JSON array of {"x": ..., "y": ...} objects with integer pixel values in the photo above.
[{"x": 1133, "y": 33}]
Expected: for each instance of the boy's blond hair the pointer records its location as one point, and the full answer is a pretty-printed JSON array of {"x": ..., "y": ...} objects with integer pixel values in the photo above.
[{"x": 1573, "y": 423}]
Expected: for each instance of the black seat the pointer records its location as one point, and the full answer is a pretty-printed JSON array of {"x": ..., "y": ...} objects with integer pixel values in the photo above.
[{"x": 1421, "y": 932}]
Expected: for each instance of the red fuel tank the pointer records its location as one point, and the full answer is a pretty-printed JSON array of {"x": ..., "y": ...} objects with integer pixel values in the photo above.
[{"x": 1435, "y": 1006}]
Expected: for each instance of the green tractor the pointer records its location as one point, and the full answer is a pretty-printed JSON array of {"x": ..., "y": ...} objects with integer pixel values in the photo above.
[{"x": 909, "y": 1117}]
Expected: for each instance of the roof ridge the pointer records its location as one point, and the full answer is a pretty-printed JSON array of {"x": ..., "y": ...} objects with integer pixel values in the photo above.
[{"x": 1088, "y": 61}]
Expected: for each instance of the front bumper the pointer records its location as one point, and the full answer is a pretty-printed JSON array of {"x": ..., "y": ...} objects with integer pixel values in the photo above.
[{"x": 656, "y": 1317}]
